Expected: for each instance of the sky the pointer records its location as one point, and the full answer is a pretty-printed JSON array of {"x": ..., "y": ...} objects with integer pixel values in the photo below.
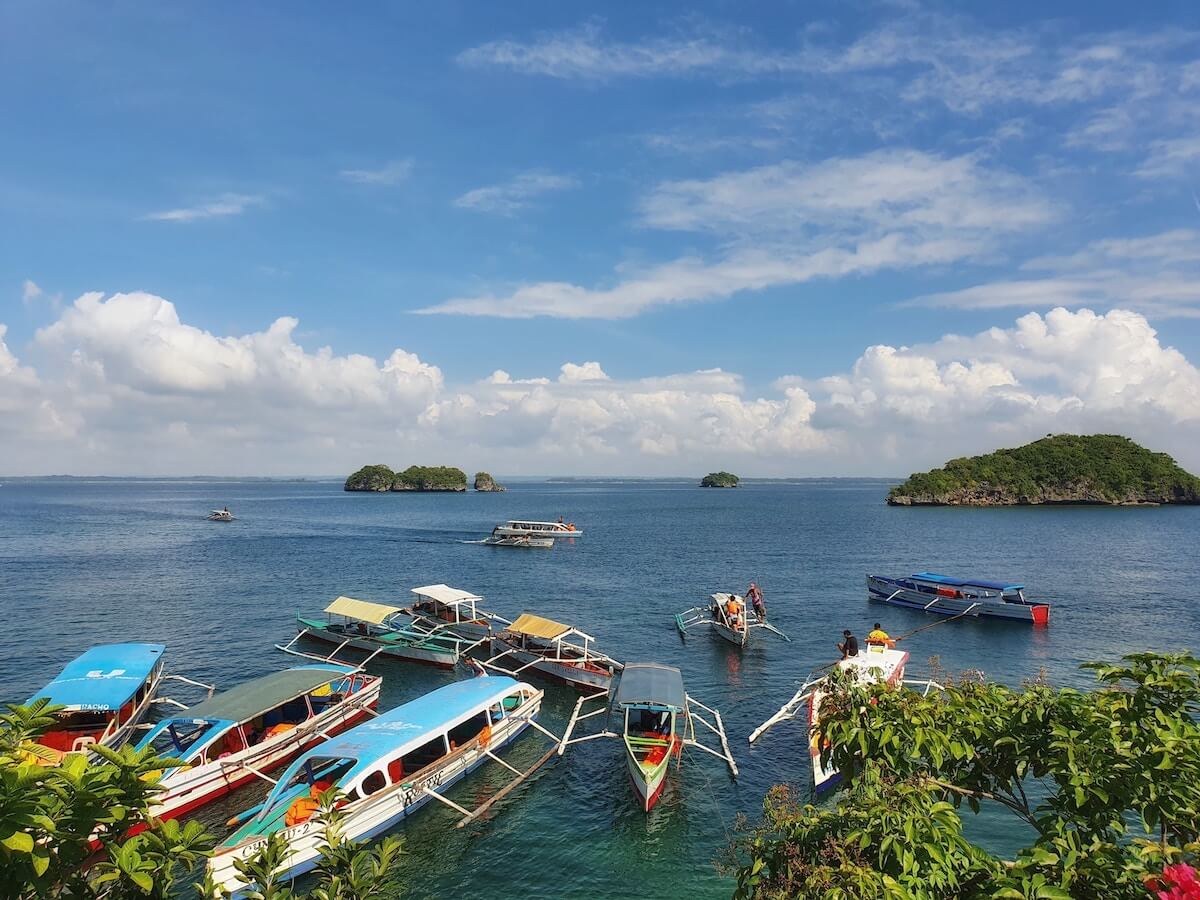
[{"x": 788, "y": 239}]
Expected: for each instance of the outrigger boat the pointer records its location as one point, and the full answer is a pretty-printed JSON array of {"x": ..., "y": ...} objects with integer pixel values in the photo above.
[
  {"x": 554, "y": 649},
  {"x": 386, "y": 769},
  {"x": 526, "y": 541},
  {"x": 542, "y": 529},
  {"x": 220, "y": 515},
  {"x": 659, "y": 719},
  {"x": 441, "y": 607},
  {"x": 880, "y": 663},
  {"x": 376, "y": 628},
  {"x": 251, "y": 729},
  {"x": 105, "y": 693},
  {"x": 944, "y": 595},
  {"x": 733, "y": 626}
]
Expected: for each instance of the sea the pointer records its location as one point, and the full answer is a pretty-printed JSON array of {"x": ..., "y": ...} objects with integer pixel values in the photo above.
[{"x": 84, "y": 562}]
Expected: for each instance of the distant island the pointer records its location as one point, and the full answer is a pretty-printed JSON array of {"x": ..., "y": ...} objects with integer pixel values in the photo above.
[
  {"x": 719, "y": 480},
  {"x": 1062, "y": 468},
  {"x": 414, "y": 478},
  {"x": 486, "y": 483}
]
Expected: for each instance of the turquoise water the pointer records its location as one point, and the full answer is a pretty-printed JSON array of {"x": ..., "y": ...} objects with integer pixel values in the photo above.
[{"x": 88, "y": 562}]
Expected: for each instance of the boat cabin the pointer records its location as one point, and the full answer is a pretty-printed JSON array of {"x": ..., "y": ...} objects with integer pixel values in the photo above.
[
  {"x": 104, "y": 692},
  {"x": 527, "y": 526},
  {"x": 453, "y": 606},
  {"x": 964, "y": 589},
  {"x": 253, "y": 712}
]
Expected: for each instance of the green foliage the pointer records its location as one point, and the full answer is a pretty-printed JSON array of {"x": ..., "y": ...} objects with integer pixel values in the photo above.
[
  {"x": 1100, "y": 467},
  {"x": 1106, "y": 784},
  {"x": 719, "y": 479},
  {"x": 54, "y": 817},
  {"x": 432, "y": 477},
  {"x": 371, "y": 478}
]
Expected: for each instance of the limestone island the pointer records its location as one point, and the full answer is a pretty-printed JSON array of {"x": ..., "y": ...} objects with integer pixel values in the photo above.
[
  {"x": 486, "y": 483},
  {"x": 1102, "y": 469},
  {"x": 414, "y": 478},
  {"x": 719, "y": 480}
]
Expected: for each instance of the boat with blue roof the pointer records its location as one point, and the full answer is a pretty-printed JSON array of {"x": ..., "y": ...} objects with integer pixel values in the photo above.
[
  {"x": 385, "y": 770},
  {"x": 949, "y": 596},
  {"x": 105, "y": 693},
  {"x": 240, "y": 734}
]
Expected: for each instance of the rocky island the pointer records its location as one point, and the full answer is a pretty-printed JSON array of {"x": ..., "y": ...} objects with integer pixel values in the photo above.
[
  {"x": 414, "y": 478},
  {"x": 1058, "y": 469},
  {"x": 486, "y": 483},
  {"x": 719, "y": 480}
]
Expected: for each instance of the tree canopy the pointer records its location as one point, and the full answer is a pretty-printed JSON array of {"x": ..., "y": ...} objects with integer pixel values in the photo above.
[{"x": 719, "y": 479}]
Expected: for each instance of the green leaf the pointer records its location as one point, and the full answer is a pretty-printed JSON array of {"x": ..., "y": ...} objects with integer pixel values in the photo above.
[{"x": 18, "y": 842}]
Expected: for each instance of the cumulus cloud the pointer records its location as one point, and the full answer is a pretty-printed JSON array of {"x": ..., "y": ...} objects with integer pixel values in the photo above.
[
  {"x": 220, "y": 207},
  {"x": 123, "y": 385},
  {"x": 516, "y": 194},
  {"x": 388, "y": 175},
  {"x": 789, "y": 223}
]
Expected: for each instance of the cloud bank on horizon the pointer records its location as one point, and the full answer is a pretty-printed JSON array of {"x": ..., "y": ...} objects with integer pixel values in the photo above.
[
  {"x": 822, "y": 239},
  {"x": 123, "y": 385}
]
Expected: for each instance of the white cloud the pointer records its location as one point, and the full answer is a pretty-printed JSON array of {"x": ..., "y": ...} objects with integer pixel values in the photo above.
[
  {"x": 388, "y": 175},
  {"x": 1171, "y": 157},
  {"x": 514, "y": 195},
  {"x": 884, "y": 210},
  {"x": 1158, "y": 275},
  {"x": 30, "y": 292},
  {"x": 124, "y": 386},
  {"x": 219, "y": 207}
]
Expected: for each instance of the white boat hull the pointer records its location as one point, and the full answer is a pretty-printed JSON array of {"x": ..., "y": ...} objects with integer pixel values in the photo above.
[{"x": 521, "y": 661}]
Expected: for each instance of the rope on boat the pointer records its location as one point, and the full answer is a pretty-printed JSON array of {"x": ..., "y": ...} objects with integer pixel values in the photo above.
[{"x": 935, "y": 624}]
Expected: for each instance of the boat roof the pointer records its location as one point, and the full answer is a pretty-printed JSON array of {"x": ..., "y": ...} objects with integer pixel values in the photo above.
[
  {"x": 723, "y": 597},
  {"x": 104, "y": 677},
  {"x": 536, "y": 626},
  {"x": 363, "y": 611},
  {"x": 534, "y": 522},
  {"x": 247, "y": 700},
  {"x": 651, "y": 683},
  {"x": 411, "y": 724},
  {"x": 443, "y": 593},
  {"x": 969, "y": 582}
]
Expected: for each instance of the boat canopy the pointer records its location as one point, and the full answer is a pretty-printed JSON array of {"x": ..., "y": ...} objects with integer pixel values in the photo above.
[
  {"x": 104, "y": 678},
  {"x": 251, "y": 698},
  {"x": 443, "y": 593},
  {"x": 969, "y": 582},
  {"x": 651, "y": 684},
  {"x": 536, "y": 626},
  {"x": 375, "y": 613}
]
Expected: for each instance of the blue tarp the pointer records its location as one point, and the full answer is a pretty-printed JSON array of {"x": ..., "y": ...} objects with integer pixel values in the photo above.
[
  {"x": 104, "y": 678},
  {"x": 969, "y": 582}
]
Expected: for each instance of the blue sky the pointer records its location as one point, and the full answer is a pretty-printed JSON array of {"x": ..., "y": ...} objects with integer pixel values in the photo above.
[{"x": 769, "y": 191}]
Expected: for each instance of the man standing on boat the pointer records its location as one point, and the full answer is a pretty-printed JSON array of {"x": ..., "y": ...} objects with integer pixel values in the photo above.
[
  {"x": 849, "y": 644},
  {"x": 755, "y": 596}
]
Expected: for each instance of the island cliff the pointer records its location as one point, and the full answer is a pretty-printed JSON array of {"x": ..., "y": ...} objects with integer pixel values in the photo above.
[
  {"x": 1064, "y": 468},
  {"x": 414, "y": 478},
  {"x": 719, "y": 480},
  {"x": 486, "y": 483}
]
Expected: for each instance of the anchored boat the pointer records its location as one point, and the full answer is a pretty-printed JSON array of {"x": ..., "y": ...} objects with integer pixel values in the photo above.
[
  {"x": 538, "y": 529},
  {"x": 106, "y": 692},
  {"x": 659, "y": 719},
  {"x": 441, "y": 607},
  {"x": 554, "y": 649},
  {"x": 253, "y": 728},
  {"x": 880, "y": 663},
  {"x": 729, "y": 617},
  {"x": 386, "y": 769},
  {"x": 377, "y": 628},
  {"x": 944, "y": 595},
  {"x": 221, "y": 515},
  {"x": 526, "y": 541}
]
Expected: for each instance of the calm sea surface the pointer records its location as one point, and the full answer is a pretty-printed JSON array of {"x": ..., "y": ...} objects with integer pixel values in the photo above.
[{"x": 90, "y": 562}]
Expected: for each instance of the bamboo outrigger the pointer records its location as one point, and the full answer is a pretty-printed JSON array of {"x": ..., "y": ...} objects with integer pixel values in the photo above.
[
  {"x": 729, "y": 617},
  {"x": 439, "y": 607},
  {"x": 554, "y": 649},
  {"x": 659, "y": 720}
]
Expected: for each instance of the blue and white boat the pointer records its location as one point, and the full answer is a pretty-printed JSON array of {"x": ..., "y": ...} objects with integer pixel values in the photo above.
[
  {"x": 384, "y": 770},
  {"x": 949, "y": 596},
  {"x": 105, "y": 693}
]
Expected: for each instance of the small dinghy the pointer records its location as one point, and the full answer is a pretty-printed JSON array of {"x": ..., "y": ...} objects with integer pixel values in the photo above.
[
  {"x": 729, "y": 617},
  {"x": 526, "y": 541},
  {"x": 221, "y": 515}
]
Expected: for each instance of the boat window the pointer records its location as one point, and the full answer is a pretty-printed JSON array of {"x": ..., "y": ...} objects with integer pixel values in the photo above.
[
  {"x": 396, "y": 770},
  {"x": 322, "y": 771},
  {"x": 643, "y": 722},
  {"x": 373, "y": 783},
  {"x": 496, "y": 713},
  {"x": 177, "y": 737},
  {"x": 463, "y": 732},
  {"x": 415, "y": 760}
]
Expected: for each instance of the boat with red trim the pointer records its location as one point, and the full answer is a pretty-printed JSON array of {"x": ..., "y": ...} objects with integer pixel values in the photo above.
[{"x": 948, "y": 596}]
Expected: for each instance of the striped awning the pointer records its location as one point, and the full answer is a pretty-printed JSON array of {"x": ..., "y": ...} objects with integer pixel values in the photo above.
[{"x": 361, "y": 610}]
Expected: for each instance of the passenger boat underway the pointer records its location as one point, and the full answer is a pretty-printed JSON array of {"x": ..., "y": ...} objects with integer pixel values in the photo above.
[
  {"x": 376, "y": 628},
  {"x": 220, "y": 515},
  {"x": 384, "y": 770},
  {"x": 958, "y": 597},
  {"x": 659, "y": 720},
  {"x": 729, "y": 617},
  {"x": 527, "y": 541},
  {"x": 538, "y": 529},
  {"x": 106, "y": 692},
  {"x": 880, "y": 662},
  {"x": 253, "y": 728},
  {"x": 441, "y": 607},
  {"x": 551, "y": 648}
]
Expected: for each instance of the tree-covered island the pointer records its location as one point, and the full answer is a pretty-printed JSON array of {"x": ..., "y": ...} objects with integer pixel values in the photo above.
[
  {"x": 1062, "y": 468},
  {"x": 719, "y": 480},
  {"x": 414, "y": 478}
]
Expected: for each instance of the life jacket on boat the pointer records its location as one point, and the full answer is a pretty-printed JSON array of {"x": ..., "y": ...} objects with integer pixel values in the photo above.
[
  {"x": 301, "y": 810},
  {"x": 277, "y": 730},
  {"x": 485, "y": 736}
]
